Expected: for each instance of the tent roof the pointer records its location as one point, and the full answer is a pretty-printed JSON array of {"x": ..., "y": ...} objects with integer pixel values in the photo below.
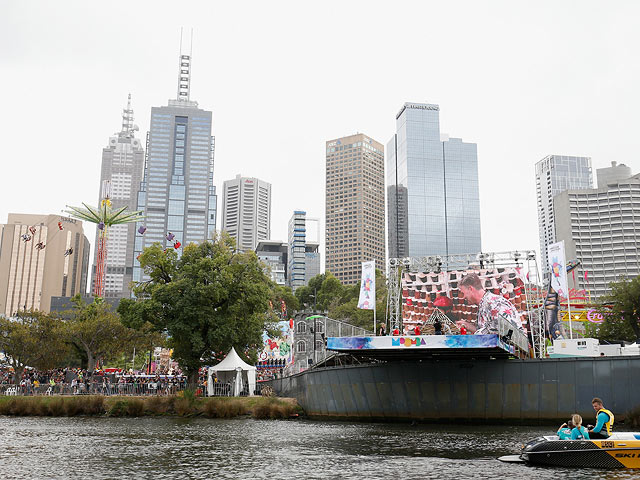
[{"x": 231, "y": 362}]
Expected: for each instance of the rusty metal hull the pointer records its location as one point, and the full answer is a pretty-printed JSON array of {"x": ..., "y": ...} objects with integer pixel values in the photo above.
[{"x": 482, "y": 391}]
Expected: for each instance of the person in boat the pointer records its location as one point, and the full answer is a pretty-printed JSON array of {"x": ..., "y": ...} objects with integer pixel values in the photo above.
[
  {"x": 604, "y": 421},
  {"x": 564, "y": 432},
  {"x": 578, "y": 432}
]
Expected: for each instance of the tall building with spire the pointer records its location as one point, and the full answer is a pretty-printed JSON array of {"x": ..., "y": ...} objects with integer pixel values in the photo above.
[
  {"x": 177, "y": 193},
  {"x": 120, "y": 177}
]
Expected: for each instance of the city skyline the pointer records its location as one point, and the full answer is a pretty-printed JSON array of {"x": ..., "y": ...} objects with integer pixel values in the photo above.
[{"x": 514, "y": 111}]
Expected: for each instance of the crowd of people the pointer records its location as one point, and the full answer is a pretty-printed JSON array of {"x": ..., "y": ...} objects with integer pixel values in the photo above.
[{"x": 77, "y": 381}]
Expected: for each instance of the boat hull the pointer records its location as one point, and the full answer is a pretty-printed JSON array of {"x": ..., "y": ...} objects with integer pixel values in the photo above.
[{"x": 583, "y": 453}]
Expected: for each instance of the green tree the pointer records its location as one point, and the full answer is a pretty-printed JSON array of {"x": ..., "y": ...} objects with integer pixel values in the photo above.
[
  {"x": 284, "y": 294},
  {"x": 35, "y": 339},
  {"x": 207, "y": 301},
  {"x": 621, "y": 319},
  {"x": 98, "y": 331}
]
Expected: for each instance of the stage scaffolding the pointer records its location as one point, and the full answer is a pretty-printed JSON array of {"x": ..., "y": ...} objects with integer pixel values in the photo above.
[{"x": 524, "y": 259}]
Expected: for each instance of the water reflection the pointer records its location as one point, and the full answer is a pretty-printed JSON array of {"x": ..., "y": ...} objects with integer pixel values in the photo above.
[{"x": 244, "y": 448}]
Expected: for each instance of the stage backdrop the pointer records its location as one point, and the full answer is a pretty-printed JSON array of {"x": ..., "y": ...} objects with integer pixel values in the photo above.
[{"x": 423, "y": 292}]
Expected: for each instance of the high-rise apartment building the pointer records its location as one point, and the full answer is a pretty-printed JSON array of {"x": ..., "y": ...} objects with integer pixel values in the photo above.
[
  {"x": 354, "y": 223},
  {"x": 432, "y": 188},
  {"x": 303, "y": 255},
  {"x": 554, "y": 175},
  {"x": 120, "y": 177},
  {"x": 600, "y": 228},
  {"x": 41, "y": 256},
  {"x": 246, "y": 211},
  {"x": 177, "y": 193}
]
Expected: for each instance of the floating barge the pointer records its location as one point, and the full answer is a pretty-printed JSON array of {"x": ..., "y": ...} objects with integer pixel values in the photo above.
[{"x": 449, "y": 379}]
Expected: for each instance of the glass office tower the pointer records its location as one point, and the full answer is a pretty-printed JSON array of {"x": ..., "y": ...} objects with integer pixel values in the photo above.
[
  {"x": 432, "y": 187},
  {"x": 177, "y": 192}
]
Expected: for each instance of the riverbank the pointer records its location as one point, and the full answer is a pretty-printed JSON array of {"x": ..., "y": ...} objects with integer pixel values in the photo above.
[{"x": 173, "y": 405}]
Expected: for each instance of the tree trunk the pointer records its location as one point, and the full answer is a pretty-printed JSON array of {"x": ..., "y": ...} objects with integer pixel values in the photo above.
[
  {"x": 17, "y": 374},
  {"x": 91, "y": 361},
  {"x": 192, "y": 380}
]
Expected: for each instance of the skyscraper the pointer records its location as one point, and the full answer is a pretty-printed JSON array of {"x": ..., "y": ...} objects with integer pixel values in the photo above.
[
  {"x": 177, "y": 193},
  {"x": 42, "y": 256},
  {"x": 303, "y": 254},
  {"x": 600, "y": 229},
  {"x": 354, "y": 206},
  {"x": 120, "y": 177},
  {"x": 554, "y": 175},
  {"x": 432, "y": 188},
  {"x": 246, "y": 211}
]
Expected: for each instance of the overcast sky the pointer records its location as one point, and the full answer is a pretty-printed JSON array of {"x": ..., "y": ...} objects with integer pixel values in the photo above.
[{"x": 520, "y": 79}]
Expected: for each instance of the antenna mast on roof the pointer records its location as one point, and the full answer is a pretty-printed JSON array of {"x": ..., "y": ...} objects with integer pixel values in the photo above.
[
  {"x": 127, "y": 119},
  {"x": 184, "y": 70}
]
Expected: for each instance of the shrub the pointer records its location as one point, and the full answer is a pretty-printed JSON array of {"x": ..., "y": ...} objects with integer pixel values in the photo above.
[
  {"x": 158, "y": 405},
  {"x": 135, "y": 407},
  {"x": 117, "y": 408},
  {"x": 55, "y": 407},
  {"x": 73, "y": 406},
  {"x": 272, "y": 408}
]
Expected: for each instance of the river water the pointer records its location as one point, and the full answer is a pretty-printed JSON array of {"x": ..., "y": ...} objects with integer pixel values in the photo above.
[{"x": 158, "y": 448}]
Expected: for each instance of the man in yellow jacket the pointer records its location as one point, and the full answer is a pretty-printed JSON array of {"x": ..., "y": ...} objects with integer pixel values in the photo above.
[{"x": 604, "y": 421}]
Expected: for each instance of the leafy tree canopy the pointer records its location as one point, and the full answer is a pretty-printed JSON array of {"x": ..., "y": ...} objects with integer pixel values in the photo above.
[
  {"x": 98, "y": 331},
  {"x": 341, "y": 301},
  {"x": 208, "y": 300},
  {"x": 621, "y": 320},
  {"x": 32, "y": 338}
]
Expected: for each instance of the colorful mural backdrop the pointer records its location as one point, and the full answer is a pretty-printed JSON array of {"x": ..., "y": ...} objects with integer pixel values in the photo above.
[{"x": 278, "y": 348}]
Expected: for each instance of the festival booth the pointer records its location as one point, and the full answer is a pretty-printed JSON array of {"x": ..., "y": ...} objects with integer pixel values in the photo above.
[{"x": 234, "y": 371}]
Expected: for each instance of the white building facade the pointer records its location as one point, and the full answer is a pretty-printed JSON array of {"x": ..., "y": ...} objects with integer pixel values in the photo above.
[
  {"x": 554, "y": 175},
  {"x": 600, "y": 228},
  {"x": 246, "y": 211}
]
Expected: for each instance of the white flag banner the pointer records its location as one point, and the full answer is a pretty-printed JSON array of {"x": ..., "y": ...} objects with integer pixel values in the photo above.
[
  {"x": 558, "y": 265},
  {"x": 367, "y": 300}
]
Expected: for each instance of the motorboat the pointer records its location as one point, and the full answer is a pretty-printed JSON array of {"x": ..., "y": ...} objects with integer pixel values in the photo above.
[{"x": 620, "y": 450}]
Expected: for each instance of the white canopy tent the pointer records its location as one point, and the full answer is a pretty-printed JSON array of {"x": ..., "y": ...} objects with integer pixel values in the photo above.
[{"x": 235, "y": 371}]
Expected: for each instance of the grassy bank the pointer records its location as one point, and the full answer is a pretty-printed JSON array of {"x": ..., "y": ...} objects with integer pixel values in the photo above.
[{"x": 183, "y": 406}]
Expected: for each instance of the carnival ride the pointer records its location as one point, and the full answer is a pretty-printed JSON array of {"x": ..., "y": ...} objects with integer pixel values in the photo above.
[{"x": 104, "y": 218}]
